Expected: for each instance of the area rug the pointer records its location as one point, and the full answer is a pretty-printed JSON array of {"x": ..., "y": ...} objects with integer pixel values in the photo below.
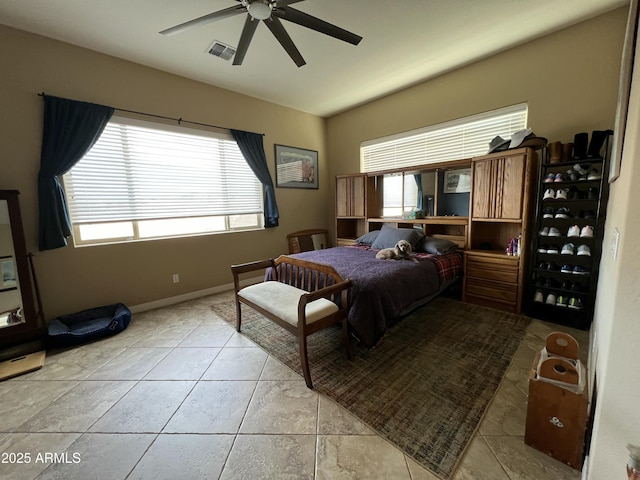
[{"x": 425, "y": 387}]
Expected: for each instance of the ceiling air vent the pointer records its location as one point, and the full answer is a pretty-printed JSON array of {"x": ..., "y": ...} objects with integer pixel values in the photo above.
[{"x": 219, "y": 49}]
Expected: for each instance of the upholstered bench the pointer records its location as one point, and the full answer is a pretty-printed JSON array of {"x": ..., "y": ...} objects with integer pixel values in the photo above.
[{"x": 302, "y": 297}]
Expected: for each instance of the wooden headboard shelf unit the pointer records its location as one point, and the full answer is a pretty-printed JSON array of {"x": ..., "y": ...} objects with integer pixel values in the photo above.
[{"x": 450, "y": 228}]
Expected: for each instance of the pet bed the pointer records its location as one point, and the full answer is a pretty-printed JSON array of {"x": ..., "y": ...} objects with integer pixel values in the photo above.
[{"x": 89, "y": 325}]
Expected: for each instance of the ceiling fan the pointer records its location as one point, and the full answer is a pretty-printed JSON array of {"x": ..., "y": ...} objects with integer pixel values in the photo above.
[{"x": 270, "y": 12}]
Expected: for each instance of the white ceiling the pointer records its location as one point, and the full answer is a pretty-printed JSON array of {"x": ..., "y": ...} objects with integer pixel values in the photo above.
[{"x": 405, "y": 41}]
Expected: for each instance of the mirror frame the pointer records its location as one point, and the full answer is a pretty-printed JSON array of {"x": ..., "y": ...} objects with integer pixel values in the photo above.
[{"x": 30, "y": 328}]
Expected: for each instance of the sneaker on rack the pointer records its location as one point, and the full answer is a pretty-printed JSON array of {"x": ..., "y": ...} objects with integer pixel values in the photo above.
[
  {"x": 554, "y": 232},
  {"x": 562, "y": 194},
  {"x": 548, "y": 212},
  {"x": 544, "y": 232},
  {"x": 567, "y": 284},
  {"x": 587, "y": 231},
  {"x": 589, "y": 214},
  {"x": 584, "y": 250},
  {"x": 537, "y": 297},
  {"x": 549, "y": 178},
  {"x": 575, "y": 303},
  {"x": 549, "y": 194},
  {"x": 542, "y": 248},
  {"x": 566, "y": 269},
  {"x": 568, "y": 249},
  {"x": 540, "y": 281},
  {"x": 575, "y": 194},
  {"x": 553, "y": 267},
  {"x": 593, "y": 174},
  {"x": 571, "y": 175},
  {"x": 578, "y": 287},
  {"x": 580, "y": 270},
  {"x": 551, "y": 299},
  {"x": 593, "y": 194},
  {"x": 552, "y": 249},
  {"x": 581, "y": 170},
  {"x": 574, "y": 231},
  {"x": 551, "y": 283},
  {"x": 562, "y": 301},
  {"x": 563, "y": 212},
  {"x": 560, "y": 178}
]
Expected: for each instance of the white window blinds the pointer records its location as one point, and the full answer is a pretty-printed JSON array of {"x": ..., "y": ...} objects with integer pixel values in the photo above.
[
  {"x": 459, "y": 139},
  {"x": 141, "y": 171}
]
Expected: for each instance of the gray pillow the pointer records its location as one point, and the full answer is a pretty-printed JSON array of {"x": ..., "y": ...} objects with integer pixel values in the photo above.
[
  {"x": 368, "y": 238},
  {"x": 388, "y": 237},
  {"x": 437, "y": 246}
]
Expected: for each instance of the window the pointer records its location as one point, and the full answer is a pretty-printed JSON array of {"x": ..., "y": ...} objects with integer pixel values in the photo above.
[
  {"x": 400, "y": 195},
  {"x": 144, "y": 180},
  {"x": 459, "y": 139}
]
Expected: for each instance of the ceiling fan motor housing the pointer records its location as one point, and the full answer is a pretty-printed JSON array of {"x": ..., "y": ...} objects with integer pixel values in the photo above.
[{"x": 259, "y": 9}]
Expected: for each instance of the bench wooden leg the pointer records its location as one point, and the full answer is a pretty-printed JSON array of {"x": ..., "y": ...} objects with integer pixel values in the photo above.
[
  {"x": 238, "y": 315},
  {"x": 304, "y": 360}
]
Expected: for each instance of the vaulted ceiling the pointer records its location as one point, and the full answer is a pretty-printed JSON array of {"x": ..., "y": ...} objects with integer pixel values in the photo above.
[{"x": 404, "y": 41}]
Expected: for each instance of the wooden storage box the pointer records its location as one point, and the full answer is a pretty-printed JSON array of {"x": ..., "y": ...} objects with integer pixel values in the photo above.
[{"x": 557, "y": 409}]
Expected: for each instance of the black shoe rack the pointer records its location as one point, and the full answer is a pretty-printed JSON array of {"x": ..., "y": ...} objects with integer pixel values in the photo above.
[{"x": 567, "y": 238}]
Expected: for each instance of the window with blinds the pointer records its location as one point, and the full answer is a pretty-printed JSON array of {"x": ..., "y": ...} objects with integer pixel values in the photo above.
[
  {"x": 144, "y": 180},
  {"x": 459, "y": 139}
]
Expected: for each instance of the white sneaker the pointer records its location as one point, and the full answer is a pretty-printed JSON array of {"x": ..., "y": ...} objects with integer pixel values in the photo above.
[
  {"x": 554, "y": 232},
  {"x": 587, "y": 231},
  {"x": 562, "y": 194},
  {"x": 574, "y": 231},
  {"x": 567, "y": 249},
  {"x": 549, "y": 194},
  {"x": 551, "y": 299},
  {"x": 538, "y": 297},
  {"x": 544, "y": 232},
  {"x": 584, "y": 250},
  {"x": 553, "y": 249}
]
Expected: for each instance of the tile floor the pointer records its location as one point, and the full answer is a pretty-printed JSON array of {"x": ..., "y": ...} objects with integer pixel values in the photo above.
[{"x": 181, "y": 395}]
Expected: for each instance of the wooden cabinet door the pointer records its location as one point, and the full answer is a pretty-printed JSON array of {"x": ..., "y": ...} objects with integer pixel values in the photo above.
[
  {"x": 512, "y": 187},
  {"x": 350, "y": 196},
  {"x": 483, "y": 189}
]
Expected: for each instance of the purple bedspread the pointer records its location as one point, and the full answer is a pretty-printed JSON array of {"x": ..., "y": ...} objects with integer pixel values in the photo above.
[{"x": 382, "y": 290}]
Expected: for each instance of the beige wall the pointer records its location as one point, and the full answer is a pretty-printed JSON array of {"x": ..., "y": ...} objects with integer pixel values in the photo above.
[
  {"x": 71, "y": 278},
  {"x": 616, "y": 329},
  {"x": 569, "y": 79}
]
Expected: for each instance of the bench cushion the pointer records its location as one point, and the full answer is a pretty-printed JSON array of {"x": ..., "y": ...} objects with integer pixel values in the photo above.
[{"x": 282, "y": 300}]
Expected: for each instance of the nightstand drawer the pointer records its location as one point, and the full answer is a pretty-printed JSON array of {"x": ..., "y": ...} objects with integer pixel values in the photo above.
[
  {"x": 503, "y": 292},
  {"x": 492, "y": 269}
]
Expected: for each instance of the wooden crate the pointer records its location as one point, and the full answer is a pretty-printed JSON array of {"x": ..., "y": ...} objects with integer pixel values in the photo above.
[{"x": 557, "y": 416}]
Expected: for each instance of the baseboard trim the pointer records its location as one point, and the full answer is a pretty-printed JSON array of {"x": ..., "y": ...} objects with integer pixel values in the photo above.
[{"x": 165, "y": 302}]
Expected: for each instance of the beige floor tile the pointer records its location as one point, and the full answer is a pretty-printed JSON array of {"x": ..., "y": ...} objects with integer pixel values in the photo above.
[
  {"x": 33, "y": 453},
  {"x": 522, "y": 462},
  {"x": 183, "y": 364},
  {"x": 282, "y": 407},
  {"x": 239, "y": 340},
  {"x": 276, "y": 370},
  {"x": 75, "y": 363},
  {"x": 479, "y": 463},
  {"x": 208, "y": 336},
  {"x": 100, "y": 456},
  {"x": 146, "y": 408},
  {"x": 176, "y": 456},
  {"x": 363, "y": 457},
  {"x": 79, "y": 408},
  {"x": 333, "y": 419},
  {"x": 418, "y": 472},
  {"x": 165, "y": 336},
  {"x": 237, "y": 364},
  {"x": 213, "y": 407},
  {"x": 265, "y": 457},
  {"x": 507, "y": 413},
  {"x": 132, "y": 364},
  {"x": 21, "y": 400}
]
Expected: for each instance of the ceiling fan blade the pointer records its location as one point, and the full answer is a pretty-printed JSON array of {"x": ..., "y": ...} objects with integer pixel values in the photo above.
[
  {"x": 284, "y": 3},
  {"x": 212, "y": 17},
  {"x": 314, "y": 23},
  {"x": 283, "y": 37},
  {"x": 248, "y": 30}
]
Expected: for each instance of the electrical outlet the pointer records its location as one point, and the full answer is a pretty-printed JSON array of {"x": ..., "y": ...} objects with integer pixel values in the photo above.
[{"x": 176, "y": 278}]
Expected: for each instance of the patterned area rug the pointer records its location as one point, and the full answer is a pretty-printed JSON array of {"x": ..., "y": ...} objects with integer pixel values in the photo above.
[{"x": 425, "y": 387}]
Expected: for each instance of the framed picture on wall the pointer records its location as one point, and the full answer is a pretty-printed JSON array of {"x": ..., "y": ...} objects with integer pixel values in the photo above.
[
  {"x": 296, "y": 167},
  {"x": 457, "y": 181},
  {"x": 8, "y": 280}
]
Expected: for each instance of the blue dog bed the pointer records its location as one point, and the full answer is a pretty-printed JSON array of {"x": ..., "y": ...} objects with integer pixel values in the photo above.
[{"x": 89, "y": 325}]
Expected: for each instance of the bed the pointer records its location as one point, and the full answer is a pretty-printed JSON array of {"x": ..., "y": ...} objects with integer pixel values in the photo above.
[{"x": 385, "y": 290}]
